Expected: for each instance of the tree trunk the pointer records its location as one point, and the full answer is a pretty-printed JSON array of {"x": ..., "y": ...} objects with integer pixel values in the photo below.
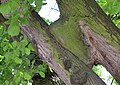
[
  {"x": 69, "y": 67},
  {"x": 82, "y": 37}
]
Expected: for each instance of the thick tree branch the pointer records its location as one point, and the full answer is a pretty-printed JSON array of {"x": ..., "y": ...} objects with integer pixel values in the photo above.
[
  {"x": 90, "y": 12},
  {"x": 100, "y": 51},
  {"x": 71, "y": 62}
]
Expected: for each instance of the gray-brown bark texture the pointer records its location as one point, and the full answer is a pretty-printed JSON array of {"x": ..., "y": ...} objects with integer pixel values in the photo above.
[{"x": 82, "y": 37}]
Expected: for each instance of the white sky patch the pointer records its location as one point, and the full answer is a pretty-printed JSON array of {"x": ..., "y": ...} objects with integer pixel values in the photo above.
[
  {"x": 50, "y": 10},
  {"x": 105, "y": 75}
]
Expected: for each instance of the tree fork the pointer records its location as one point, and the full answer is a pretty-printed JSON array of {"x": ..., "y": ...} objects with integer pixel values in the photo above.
[
  {"x": 71, "y": 63},
  {"x": 98, "y": 22},
  {"x": 70, "y": 59}
]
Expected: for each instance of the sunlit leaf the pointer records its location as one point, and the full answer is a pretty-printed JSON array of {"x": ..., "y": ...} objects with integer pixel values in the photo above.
[
  {"x": 42, "y": 74},
  {"x": 27, "y": 51},
  {"x": 27, "y": 76},
  {"x": 14, "y": 29},
  {"x": 5, "y": 8},
  {"x": 30, "y": 47},
  {"x": 18, "y": 60}
]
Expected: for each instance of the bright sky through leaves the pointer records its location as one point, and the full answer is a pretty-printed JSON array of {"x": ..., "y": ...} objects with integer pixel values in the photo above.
[{"x": 50, "y": 10}]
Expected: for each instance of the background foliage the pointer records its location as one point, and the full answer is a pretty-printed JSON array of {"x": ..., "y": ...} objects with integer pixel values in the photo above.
[
  {"x": 112, "y": 9},
  {"x": 17, "y": 57}
]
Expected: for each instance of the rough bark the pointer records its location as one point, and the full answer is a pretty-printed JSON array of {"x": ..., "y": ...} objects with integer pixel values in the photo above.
[
  {"x": 96, "y": 20},
  {"x": 67, "y": 65},
  {"x": 82, "y": 37}
]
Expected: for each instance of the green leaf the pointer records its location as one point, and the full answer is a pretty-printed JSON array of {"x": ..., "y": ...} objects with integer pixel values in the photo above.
[
  {"x": 23, "y": 21},
  {"x": 27, "y": 51},
  {"x": 30, "y": 47},
  {"x": 5, "y": 8},
  {"x": 38, "y": 4},
  {"x": 27, "y": 76},
  {"x": 22, "y": 49},
  {"x": 6, "y": 82},
  {"x": 41, "y": 68},
  {"x": 17, "y": 79},
  {"x": 24, "y": 41},
  {"x": 14, "y": 44},
  {"x": 25, "y": 8},
  {"x": 18, "y": 60},
  {"x": 5, "y": 47},
  {"x": 24, "y": 83},
  {"x": 16, "y": 52},
  {"x": 14, "y": 5},
  {"x": 21, "y": 73},
  {"x": 42, "y": 74},
  {"x": 32, "y": 63},
  {"x": 8, "y": 7},
  {"x": 2, "y": 57},
  {"x": 14, "y": 29},
  {"x": 9, "y": 56},
  {"x": 27, "y": 62},
  {"x": 1, "y": 30},
  {"x": 118, "y": 25},
  {"x": 8, "y": 21},
  {"x": 0, "y": 60}
]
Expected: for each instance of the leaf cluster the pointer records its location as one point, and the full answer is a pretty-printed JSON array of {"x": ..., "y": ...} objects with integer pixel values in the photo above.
[
  {"x": 17, "y": 11},
  {"x": 112, "y": 9},
  {"x": 17, "y": 56},
  {"x": 17, "y": 60}
]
